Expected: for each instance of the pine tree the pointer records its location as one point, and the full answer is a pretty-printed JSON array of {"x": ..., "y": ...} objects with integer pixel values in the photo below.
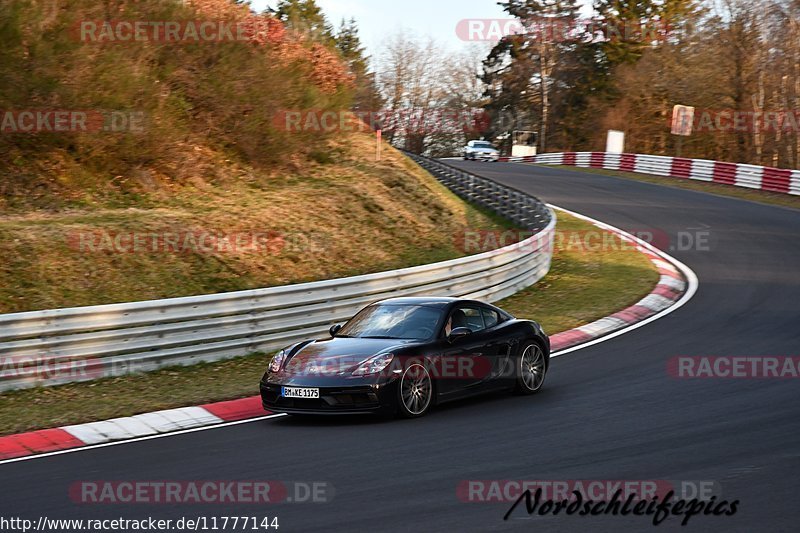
[
  {"x": 307, "y": 18},
  {"x": 348, "y": 43}
]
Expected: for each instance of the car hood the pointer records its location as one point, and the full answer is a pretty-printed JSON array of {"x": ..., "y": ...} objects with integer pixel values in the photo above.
[{"x": 339, "y": 355}]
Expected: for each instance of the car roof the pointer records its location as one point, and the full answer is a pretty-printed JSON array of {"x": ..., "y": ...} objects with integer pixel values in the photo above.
[
  {"x": 434, "y": 301},
  {"x": 437, "y": 301},
  {"x": 441, "y": 302}
]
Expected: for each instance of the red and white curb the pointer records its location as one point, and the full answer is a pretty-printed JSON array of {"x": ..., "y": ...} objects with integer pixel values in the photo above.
[
  {"x": 780, "y": 180},
  {"x": 676, "y": 286},
  {"x": 129, "y": 427}
]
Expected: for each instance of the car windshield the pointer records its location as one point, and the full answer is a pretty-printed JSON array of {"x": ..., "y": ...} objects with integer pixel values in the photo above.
[
  {"x": 393, "y": 322},
  {"x": 483, "y": 145}
]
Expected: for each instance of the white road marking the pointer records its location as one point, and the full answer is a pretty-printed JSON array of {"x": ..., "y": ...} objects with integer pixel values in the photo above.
[{"x": 139, "y": 439}]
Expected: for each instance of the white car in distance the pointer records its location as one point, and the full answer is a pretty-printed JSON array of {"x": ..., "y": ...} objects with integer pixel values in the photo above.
[{"x": 481, "y": 150}]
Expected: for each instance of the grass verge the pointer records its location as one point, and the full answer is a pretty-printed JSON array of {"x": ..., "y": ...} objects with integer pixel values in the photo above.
[
  {"x": 590, "y": 278},
  {"x": 584, "y": 284},
  {"x": 720, "y": 189}
]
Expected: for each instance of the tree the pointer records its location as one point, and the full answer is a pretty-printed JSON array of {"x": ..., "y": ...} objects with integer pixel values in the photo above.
[
  {"x": 462, "y": 97},
  {"x": 409, "y": 77},
  {"x": 562, "y": 75},
  {"x": 433, "y": 105},
  {"x": 305, "y": 17},
  {"x": 523, "y": 70},
  {"x": 348, "y": 43}
]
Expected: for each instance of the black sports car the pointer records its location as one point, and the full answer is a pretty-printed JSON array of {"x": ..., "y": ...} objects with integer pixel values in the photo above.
[{"x": 405, "y": 355}]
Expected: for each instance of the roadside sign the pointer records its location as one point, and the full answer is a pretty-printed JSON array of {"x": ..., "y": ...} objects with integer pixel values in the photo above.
[
  {"x": 615, "y": 142},
  {"x": 682, "y": 119}
]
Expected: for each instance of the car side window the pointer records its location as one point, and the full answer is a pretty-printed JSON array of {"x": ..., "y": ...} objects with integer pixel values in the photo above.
[
  {"x": 491, "y": 318},
  {"x": 467, "y": 317}
]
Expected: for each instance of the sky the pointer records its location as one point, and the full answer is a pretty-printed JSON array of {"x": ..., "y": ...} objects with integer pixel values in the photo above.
[{"x": 377, "y": 19}]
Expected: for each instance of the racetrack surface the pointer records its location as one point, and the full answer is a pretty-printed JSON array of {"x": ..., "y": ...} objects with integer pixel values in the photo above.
[{"x": 610, "y": 411}]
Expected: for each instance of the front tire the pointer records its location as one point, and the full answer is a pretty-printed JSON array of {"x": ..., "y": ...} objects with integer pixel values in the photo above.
[
  {"x": 415, "y": 392},
  {"x": 531, "y": 370}
]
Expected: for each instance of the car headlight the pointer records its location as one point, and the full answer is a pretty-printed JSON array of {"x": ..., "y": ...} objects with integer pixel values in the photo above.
[
  {"x": 374, "y": 364},
  {"x": 277, "y": 361}
]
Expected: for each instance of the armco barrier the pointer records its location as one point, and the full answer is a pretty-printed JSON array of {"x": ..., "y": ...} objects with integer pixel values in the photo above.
[
  {"x": 779, "y": 180},
  {"x": 64, "y": 345}
]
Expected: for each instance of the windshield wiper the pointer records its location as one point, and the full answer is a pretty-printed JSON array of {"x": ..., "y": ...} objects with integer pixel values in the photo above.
[{"x": 377, "y": 337}]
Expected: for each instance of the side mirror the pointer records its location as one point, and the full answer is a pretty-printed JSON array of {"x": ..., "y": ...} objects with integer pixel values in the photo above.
[
  {"x": 458, "y": 333},
  {"x": 335, "y": 329}
]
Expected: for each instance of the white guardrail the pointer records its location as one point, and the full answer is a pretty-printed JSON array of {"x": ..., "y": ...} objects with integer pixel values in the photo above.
[
  {"x": 76, "y": 344},
  {"x": 780, "y": 180}
]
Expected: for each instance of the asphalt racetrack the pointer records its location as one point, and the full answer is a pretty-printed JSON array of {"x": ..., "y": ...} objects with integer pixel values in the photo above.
[{"x": 611, "y": 411}]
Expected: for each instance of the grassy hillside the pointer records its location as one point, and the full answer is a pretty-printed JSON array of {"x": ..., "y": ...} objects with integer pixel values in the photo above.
[
  {"x": 207, "y": 161},
  {"x": 318, "y": 221},
  {"x": 160, "y": 114}
]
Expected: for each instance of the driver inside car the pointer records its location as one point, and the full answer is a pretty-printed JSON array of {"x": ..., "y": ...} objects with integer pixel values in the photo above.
[{"x": 457, "y": 320}]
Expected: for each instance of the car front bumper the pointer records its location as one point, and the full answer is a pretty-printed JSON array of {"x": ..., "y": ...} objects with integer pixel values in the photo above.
[{"x": 335, "y": 398}]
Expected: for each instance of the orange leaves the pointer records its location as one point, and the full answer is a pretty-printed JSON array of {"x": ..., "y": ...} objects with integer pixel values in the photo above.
[{"x": 327, "y": 72}]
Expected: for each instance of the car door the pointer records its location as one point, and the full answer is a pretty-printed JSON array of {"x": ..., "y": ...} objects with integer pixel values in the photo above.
[
  {"x": 466, "y": 362},
  {"x": 498, "y": 345}
]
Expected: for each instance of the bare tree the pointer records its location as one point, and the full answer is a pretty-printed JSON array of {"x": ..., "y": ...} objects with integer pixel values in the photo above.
[
  {"x": 431, "y": 93},
  {"x": 407, "y": 72}
]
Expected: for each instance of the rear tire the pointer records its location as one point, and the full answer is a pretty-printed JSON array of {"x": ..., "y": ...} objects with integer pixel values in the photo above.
[{"x": 531, "y": 369}]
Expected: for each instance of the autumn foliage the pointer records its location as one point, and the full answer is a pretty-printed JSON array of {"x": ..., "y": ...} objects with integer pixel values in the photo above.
[
  {"x": 327, "y": 72},
  {"x": 207, "y": 107}
]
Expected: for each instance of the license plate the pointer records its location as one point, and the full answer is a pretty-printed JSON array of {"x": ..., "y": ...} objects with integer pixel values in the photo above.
[{"x": 297, "y": 392}]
